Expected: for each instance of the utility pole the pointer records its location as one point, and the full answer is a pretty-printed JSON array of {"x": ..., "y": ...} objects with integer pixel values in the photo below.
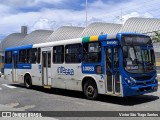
[
  {"x": 121, "y": 17},
  {"x": 86, "y": 11}
]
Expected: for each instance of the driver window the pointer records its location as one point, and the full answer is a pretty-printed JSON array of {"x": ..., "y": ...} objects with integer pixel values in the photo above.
[
  {"x": 132, "y": 55},
  {"x": 92, "y": 52}
]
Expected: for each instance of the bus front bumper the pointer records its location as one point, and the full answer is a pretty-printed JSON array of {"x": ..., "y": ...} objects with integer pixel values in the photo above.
[{"x": 138, "y": 90}]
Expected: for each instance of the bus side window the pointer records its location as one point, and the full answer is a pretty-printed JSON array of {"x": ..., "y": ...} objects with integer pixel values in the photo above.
[
  {"x": 58, "y": 54},
  {"x": 92, "y": 52},
  {"x": 38, "y": 55},
  {"x": 23, "y": 56},
  {"x": 8, "y": 57},
  {"x": 73, "y": 53},
  {"x": 31, "y": 55}
]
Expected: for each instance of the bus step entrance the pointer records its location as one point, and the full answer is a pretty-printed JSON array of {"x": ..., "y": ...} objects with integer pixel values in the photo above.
[{"x": 47, "y": 86}]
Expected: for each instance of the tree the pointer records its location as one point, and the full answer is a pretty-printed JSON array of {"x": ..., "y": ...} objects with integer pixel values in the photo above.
[{"x": 156, "y": 38}]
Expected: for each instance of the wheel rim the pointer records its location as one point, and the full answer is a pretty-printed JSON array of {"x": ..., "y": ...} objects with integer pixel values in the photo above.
[{"x": 90, "y": 91}]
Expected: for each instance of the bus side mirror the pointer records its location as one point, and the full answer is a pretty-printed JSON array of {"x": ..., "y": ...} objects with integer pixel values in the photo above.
[{"x": 125, "y": 52}]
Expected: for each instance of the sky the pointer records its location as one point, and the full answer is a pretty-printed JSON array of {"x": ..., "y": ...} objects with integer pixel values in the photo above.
[{"x": 52, "y": 14}]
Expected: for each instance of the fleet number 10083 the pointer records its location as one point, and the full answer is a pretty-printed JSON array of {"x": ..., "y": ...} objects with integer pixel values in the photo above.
[{"x": 88, "y": 68}]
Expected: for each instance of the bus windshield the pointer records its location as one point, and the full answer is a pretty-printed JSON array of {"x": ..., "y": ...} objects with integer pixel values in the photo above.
[{"x": 138, "y": 55}]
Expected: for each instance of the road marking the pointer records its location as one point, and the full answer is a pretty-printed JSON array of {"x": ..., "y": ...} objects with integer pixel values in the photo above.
[
  {"x": 0, "y": 88},
  {"x": 9, "y": 86},
  {"x": 12, "y": 104},
  {"x": 27, "y": 107}
]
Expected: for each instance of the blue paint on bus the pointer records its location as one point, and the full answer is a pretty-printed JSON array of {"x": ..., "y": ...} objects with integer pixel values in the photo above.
[
  {"x": 19, "y": 66},
  {"x": 7, "y": 66},
  {"x": 24, "y": 66},
  {"x": 102, "y": 37},
  {"x": 19, "y": 48}
]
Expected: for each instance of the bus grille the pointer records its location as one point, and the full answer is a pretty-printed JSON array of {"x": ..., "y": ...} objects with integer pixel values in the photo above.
[
  {"x": 144, "y": 89},
  {"x": 143, "y": 78},
  {"x": 143, "y": 83}
]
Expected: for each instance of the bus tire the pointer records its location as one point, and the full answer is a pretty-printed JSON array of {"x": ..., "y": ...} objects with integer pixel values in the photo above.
[
  {"x": 90, "y": 90},
  {"x": 28, "y": 81}
]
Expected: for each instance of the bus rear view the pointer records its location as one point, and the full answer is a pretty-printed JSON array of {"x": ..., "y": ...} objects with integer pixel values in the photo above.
[{"x": 138, "y": 68}]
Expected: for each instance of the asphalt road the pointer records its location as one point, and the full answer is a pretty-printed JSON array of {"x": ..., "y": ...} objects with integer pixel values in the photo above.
[{"x": 17, "y": 97}]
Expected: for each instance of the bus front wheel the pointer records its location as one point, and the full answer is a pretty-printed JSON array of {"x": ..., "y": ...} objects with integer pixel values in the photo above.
[
  {"x": 90, "y": 90},
  {"x": 28, "y": 81}
]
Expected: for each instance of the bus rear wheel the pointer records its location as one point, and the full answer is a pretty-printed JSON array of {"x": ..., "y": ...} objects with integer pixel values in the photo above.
[
  {"x": 90, "y": 90},
  {"x": 28, "y": 81}
]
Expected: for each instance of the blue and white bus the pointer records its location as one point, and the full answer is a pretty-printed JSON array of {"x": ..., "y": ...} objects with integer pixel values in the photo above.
[{"x": 118, "y": 65}]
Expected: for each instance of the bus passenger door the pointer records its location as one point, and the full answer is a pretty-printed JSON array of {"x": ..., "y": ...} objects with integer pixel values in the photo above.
[
  {"x": 14, "y": 67},
  {"x": 112, "y": 71},
  {"x": 46, "y": 69}
]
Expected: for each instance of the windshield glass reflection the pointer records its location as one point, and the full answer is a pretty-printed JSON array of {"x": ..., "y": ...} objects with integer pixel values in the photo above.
[{"x": 138, "y": 59}]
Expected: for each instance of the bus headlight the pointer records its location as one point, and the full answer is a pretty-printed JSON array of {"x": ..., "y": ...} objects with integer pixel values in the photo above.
[
  {"x": 99, "y": 69},
  {"x": 155, "y": 80},
  {"x": 133, "y": 79},
  {"x": 130, "y": 82}
]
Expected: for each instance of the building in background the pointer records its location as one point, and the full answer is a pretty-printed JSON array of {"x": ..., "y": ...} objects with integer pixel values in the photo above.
[
  {"x": 65, "y": 32},
  {"x": 98, "y": 28},
  {"x": 37, "y": 36}
]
